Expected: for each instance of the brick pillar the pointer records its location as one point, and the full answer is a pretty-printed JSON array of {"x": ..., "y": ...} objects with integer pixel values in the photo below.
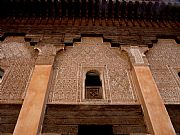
[
  {"x": 155, "y": 113},
  {"x": 32, "y": 112}
]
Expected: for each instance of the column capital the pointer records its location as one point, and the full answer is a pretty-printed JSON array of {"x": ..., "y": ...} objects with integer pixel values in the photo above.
[
  {"x": 47, "y": 53},
  {"x": 136, "y": 54}
]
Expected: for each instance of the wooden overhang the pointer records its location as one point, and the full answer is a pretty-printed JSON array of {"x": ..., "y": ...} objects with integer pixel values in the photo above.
[{"x": 149, "y": 10}]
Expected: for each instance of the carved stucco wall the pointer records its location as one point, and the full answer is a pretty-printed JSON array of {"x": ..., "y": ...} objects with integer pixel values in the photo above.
[
  {"x": 17, "y": 58},
  {"x": 72, "y": 64},
  {"x": 164, "y": 60}
]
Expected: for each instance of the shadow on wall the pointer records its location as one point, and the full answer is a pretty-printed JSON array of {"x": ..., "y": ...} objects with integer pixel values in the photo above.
[{"x": 1, "y": 74}]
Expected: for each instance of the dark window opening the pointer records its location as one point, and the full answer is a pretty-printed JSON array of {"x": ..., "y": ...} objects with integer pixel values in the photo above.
[
  {"x": 179, "y": 74},
  {"x": 92, "y": 79},
  {"x": 1, "y": 74},
  {"x": 93, "y": 85},
  {"x": 95, "y": 130}
]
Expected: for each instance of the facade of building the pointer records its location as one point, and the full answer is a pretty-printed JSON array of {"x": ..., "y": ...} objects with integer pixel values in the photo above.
[{"x": 89, "y": 67}]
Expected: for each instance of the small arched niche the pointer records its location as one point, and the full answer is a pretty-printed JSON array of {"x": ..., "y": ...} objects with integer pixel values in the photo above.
[
  {"x": 93, "y": 85},
  {"x": 1, "y": 74},
  {"x": 179, "y": 74}
]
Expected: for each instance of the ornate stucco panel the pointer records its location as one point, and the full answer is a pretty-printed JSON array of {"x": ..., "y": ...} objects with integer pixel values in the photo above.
[
  {"x": 164, "y": 60},
  {"x": 72, "y": 64},
  {"x": 18, "y": 61}
]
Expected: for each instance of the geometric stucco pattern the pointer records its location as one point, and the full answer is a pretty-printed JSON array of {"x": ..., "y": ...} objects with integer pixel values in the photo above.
[
  {"x": 72, "y": 63},
  {"x": 18, "y": 60},
  {"x": 164, "y": 60}
]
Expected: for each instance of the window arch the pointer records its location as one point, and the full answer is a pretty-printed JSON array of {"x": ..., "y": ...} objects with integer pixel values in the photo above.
[
  {"x": 1, "y": 74},
  {"x": 93, "y": 85},
  {"x": 179, "y": 74}
]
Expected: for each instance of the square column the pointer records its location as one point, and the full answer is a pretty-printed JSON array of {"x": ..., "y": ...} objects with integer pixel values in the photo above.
[
  {"x": 155, "y": 113},
  {"x": 31, "y": 114}
]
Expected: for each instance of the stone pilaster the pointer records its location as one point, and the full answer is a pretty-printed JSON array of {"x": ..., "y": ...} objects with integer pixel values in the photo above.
[
  {"x": 32, "y": 112},
  {"x": 155, "y": 113}
]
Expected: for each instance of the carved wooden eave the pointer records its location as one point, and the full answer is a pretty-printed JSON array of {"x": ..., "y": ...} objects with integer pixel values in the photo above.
[
  {"x": 119, "y": 22},
  {"x": 148, "y": 10}
]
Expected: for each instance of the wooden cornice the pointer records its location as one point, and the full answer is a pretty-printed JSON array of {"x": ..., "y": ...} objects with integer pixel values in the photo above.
[{"x": 146, "y": 10}]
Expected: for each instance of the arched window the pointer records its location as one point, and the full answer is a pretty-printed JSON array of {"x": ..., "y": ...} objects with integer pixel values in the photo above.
[
  {"x": 1, "y": 74},
  {"x": 179, "y": 74},
  {"x": 93, "y": 85}
]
